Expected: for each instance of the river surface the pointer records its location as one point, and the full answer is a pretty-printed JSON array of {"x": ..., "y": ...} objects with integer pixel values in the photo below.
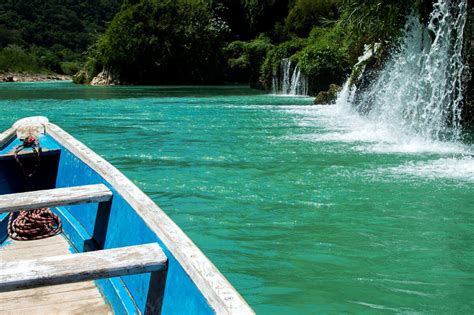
[{"x": 305, "y": 209}]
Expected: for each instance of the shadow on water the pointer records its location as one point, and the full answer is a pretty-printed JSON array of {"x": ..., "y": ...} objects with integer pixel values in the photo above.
[{"x": 66, "y": 90}]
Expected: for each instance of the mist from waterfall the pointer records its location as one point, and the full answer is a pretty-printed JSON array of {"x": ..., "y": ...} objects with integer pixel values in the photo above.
[
  {"x": 419, "y": 91},
  {"x": 289, "y": 80}
]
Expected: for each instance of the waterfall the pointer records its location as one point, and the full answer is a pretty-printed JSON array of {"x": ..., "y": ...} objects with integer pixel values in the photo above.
[
  {"x": 419, "y": 91},
  {"x": 289, "y": 80}
]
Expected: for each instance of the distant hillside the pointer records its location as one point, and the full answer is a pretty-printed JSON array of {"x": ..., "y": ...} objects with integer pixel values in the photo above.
[{"x": 50, "y": 35}]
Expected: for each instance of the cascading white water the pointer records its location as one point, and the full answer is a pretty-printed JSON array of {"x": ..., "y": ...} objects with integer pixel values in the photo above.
[
  {"x": 419, "y": 91},
  {"x": 289, "y": 80}
]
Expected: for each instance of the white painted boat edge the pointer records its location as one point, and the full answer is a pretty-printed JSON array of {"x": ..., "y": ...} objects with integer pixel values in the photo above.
[{"x": 6, "y": 136}]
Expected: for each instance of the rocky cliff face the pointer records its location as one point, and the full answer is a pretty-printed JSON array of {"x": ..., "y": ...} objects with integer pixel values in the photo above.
[
  {"x": 106, "y": 77},
  {"x": 468, "y": 114}
]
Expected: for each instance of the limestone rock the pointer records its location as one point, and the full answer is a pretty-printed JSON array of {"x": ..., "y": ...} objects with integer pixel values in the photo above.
[{"x": 106, "y": 77}]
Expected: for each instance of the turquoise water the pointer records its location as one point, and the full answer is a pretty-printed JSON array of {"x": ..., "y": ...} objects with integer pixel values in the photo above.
[{"x": 304, "y": 209}]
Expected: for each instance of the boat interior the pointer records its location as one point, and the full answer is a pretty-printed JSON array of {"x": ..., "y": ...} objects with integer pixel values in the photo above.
[
  {"x": 117, "y": 252},
  {"x": 67, "y": 286}
]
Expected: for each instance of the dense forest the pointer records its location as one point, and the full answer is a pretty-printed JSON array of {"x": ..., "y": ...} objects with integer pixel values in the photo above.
[
  {"x": 216, "y": 41},
  {"x": 195, "y": 41},
  {"x": 50, "y": 35}
]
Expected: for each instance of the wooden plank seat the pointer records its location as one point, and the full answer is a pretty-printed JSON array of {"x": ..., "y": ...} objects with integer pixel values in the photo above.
[
  {"x": 54, "y": 198},
  {"x": 64, "y": 269},
  {"x": 72, "y": 298}
]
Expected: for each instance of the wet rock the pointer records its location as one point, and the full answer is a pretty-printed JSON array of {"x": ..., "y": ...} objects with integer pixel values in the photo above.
[
  {"x": 468, "y": 112},
  {"x": 328, "y": 97}
]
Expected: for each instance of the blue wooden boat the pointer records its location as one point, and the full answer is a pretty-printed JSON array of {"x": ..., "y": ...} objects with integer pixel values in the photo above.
[{"x": 139, "y": 260}]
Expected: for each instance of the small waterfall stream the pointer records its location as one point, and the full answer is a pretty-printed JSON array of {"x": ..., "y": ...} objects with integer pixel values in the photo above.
[
  {"x": 289, "y": 80},
  {"x": 419, "y": 91}
]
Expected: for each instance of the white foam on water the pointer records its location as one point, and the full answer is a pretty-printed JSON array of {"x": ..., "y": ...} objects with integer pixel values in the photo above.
[
  {"x": 461, "y": 168},
  {"x": 413, "y": 107},
  {"x": 340, "y": 124},
  {"x": 452, "y": 160}
]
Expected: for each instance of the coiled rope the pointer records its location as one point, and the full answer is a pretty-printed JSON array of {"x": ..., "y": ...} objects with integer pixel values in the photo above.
[{"x": 34, "y": 224}]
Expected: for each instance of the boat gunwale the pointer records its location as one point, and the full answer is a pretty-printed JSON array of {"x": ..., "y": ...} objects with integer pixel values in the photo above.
[
  {"x": 222, "y": 297},
  {"x": 6, "y": 136}
]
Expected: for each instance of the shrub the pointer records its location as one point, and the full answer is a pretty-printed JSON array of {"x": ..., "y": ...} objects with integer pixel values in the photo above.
[
  {"x": 245, "y": 58},
  {"x": 163, "y": 42},
  {"x": 305, "y": 14},
  {"x": 70, "y": 67},
  {"x": 47, "y": 58},
  {"x": 15, "y": 58}
]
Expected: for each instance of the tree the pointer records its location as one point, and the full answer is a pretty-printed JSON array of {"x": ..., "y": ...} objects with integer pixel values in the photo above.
[
  {"x": 306, "y": 14},
  {"x": 163, "y": 42}
]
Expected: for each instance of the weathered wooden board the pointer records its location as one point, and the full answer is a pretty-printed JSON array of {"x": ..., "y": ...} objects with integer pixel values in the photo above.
[
  {"x": 82, "y": 292},
  {"x": 73, "y": 298},
  {"x": 44, "y": 293},
  {"x": 54, "y": 198},
  {"x": 52, "y": 242},
  {"x": 94, "y": 306},
  {"x": 81, "y": 307},
  {"x": 16, "y": 275},
  {"x": 20, "y": 250}
]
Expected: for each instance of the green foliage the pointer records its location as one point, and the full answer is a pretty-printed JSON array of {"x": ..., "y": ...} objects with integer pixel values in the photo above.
[
  {"x": 16, "y": 59},
  {"x": 48, "y": 22},
  {"x": 376, "y": 20},
  {"x": 305, "y": 14},
  {"x": 41, "y": 27},
  {"x": 322, "y": 57},
  {"x": 271, "y": 65},
  {"x": 9, "y": 36},
  {"x": 245, "y": 58},
  {"x": 326, "y": 54},
  {"x": 323, "y": 65},
  {"x": 47, "y": 58},
  {"x": 206, "y": 41},
  {"x": 70, "y": 67},
  {"x": 163, "y": 42}
]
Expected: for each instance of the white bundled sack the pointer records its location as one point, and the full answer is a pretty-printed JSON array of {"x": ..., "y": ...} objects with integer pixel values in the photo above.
[{"x": 30, "y": 127}]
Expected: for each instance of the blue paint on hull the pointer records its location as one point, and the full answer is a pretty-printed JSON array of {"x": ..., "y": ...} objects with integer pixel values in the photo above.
[{"x": 88, "y": 227}]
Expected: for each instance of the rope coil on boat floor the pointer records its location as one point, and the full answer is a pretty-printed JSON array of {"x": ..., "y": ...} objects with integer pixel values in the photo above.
[{"x": 35, "y": 224}]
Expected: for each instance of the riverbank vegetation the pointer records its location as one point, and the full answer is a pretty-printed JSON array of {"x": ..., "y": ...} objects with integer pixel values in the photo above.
[
  {"x": 216, "y": 41},
  {"x": 50, "y": 36}
]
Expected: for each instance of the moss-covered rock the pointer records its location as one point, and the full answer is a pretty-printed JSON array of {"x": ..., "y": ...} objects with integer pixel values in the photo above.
[
  {"x": 328, "y": 97},
  {"x": 367, "y": 69}
]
